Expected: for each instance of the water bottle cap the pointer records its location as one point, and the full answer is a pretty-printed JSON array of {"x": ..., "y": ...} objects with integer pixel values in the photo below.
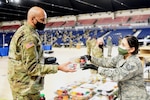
[{"x": 42, "y": 95}]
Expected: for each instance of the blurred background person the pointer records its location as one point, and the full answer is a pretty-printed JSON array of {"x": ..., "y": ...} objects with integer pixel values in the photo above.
[
  {"x": 88, "y": 45},
  {"x": 109, "y": 46},
  {"x": 119, "y": 39},
  {"x": 97, "y": 52}
]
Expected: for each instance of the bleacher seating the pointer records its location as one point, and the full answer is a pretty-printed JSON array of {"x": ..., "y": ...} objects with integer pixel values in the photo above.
[
  {"x": 1, "y": 39},
  {"x": 109, "y": 20},
  {"x": 104, "y": 21},
  {"x": 86, "y": 21},
  {"x": 5, "y": 27},
  {"x": 121, "y": 20},
  {"x": 49, "y": 24},
  {"x": 8, "y": 36},
  {"x": 57, "y": 24},
  {"x": 9, "y": 27},
  {"x": 139, "y": 18},
  {"x": 101, "y": 33},
  {"x": 15, "y": 27},
  {"x": 69, "y": 23},
  {"x": 145, "y": 32},
  {"x": 115, "y": 34}
]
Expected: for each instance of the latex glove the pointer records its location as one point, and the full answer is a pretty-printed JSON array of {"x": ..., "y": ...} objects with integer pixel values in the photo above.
[
  {"x": 50, "y": 60},
  {"x": 90, "y": 66}
]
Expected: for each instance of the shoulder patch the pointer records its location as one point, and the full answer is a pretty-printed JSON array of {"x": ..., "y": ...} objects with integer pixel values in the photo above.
[
  {"x": 129, "y": 67},
  {"x": 29, "y": 45}
]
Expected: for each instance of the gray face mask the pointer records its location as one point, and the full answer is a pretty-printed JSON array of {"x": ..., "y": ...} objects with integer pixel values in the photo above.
[
  {"x": 40, "y": 26},
  {"x": 122, "y": 51}
]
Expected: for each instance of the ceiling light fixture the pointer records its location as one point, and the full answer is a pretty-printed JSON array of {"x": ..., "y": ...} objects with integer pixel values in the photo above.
[
  {"x": 90, "y": 4},
  {"x": 121, "y": 3},
  {"x": 15, "y": 1},
  {"x": 7, "y": 1}
]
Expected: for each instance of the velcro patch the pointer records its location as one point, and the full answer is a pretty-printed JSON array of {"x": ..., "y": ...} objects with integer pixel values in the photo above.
[{"x": 29, "y": 45}]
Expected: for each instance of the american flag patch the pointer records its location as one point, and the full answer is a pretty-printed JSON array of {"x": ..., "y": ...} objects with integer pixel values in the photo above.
[{"x": 29, "y": 45}]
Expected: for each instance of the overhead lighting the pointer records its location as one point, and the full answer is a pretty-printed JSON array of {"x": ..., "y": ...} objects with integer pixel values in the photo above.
[
  {"x": 7, "y": 1},
  {"x": 15, "y": 1},
  {"x": 90, "y": 4}
]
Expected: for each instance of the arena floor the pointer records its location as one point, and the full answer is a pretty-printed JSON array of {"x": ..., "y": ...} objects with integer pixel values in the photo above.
[{"x": 52, "y": 81}]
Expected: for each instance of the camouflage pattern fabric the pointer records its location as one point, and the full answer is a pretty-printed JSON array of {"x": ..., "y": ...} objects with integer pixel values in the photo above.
[
  {"x": 16, "y": 96},
  {"x": 109, "y": 46},
  {"x": 25, "y": 72},
  {"x": 97, "y": 52},
  {"x": 128, "y": 73},
  {"x": 88, "y": 46},
  {"x": 70, "y": 43},
  {"x": 93, "y": 42}
]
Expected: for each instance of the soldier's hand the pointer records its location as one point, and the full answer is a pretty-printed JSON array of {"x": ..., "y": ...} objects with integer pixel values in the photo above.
[
  {"x": 66, "y": 68},
  {"x": 90, "y": 66}
]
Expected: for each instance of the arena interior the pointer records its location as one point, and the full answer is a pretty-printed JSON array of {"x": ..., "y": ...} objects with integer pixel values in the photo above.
[{"x": 76, "y": 27}]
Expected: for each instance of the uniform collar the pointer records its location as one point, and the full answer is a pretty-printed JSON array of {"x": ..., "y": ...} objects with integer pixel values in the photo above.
[{"x": 30, "y": 26}]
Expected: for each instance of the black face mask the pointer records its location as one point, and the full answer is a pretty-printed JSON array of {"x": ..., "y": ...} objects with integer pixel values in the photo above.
[
  {"x": 100, "y": 46},
  {"x": 40, "y": 26}
]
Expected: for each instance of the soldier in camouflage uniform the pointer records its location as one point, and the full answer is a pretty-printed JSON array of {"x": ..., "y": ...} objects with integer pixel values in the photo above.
[
  {"x": 109, "y": 46},
  {"x": 88, "y": 46},
  {"x": 97, "y": 51},
  {"x": 126, "y": 69},
  {"x": 90, "y": 43},
  {"x": 70, "y": 43},
  {"x": 93, "y": 42},
  {"x": 25, "y": 72}
]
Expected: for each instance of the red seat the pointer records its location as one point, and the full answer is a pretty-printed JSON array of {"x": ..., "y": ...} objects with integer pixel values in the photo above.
[
  {"x": 139, "y": 18},
  {"x": 58, "y": 24},
  {"x": 86, "y": 22},
  {"x": 69, "y": 23},
  {"x": 10, "y": 27}
]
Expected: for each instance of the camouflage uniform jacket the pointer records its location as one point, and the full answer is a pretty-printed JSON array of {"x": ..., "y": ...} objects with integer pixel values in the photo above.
[
  {"x": 97, "y": 52},
  {"x": 25, "y": 72},
  {"x": 88, "y": 45},
  {"x": 109, "y": 42},
  {"x": 128, "y": 73},
  {"x": 93, "y": 43}
]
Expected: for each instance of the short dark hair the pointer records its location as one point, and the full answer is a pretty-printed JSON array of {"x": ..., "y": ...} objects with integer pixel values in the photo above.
[{"x": 133, "y": 42}]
